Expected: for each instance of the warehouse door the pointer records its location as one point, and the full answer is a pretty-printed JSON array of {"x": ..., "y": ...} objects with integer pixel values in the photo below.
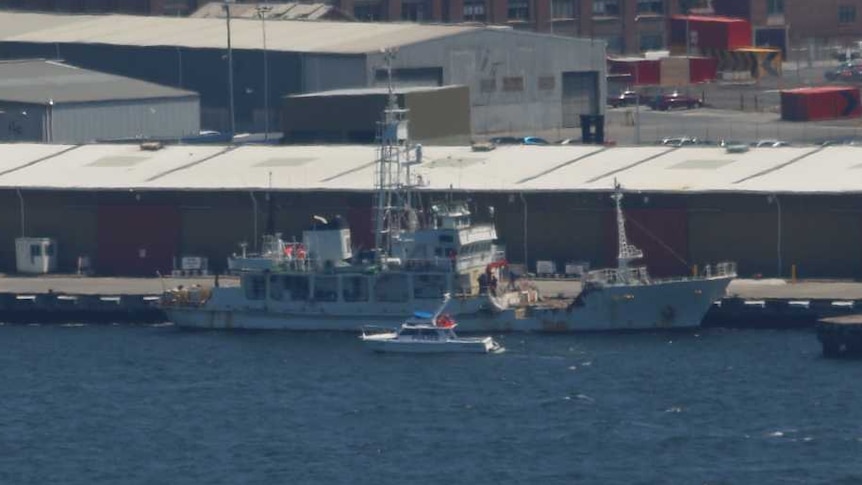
[
  {"x": 137, "y": 240},
  {"x": 580, "y": 96}
]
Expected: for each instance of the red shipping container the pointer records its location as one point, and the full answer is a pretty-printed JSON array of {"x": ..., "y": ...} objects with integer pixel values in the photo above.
[
  {"x": 702, "y": 69},
  {"x": 820, "y": 103},
  {"x": 642, "y": 72},
  {"x": 710, "y": 32}
]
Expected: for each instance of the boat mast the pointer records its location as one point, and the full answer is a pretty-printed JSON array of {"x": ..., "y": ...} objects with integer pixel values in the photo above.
[
  {"x": 627, "y": 252},
  {"x": 393, "y": 199}
]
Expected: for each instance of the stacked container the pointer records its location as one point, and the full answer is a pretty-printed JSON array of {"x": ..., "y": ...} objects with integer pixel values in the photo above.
[
  {"x": 820, "y": 103},
  {"x": 642, "y": 72},
  {"x": 708, "y": 33}
]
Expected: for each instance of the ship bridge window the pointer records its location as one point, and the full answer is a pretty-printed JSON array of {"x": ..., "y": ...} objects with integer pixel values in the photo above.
[
  {"x": 354, "y": 288},
  {"x": 254, "y": 286},
  {"x": 391, "y": 287},
  {"x": 326, "y": 288},
  {"x": 276, "y": 290},
  {"x": 296, "y": 286},
  {"x": 429, "y": 286}
]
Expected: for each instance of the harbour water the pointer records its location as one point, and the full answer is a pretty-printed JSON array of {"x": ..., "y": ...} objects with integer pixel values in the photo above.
[{"x": 119, "y": 404}]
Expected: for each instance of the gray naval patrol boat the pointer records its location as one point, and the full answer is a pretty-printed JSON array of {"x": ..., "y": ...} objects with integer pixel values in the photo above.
[{"x": 319, "y": 284}]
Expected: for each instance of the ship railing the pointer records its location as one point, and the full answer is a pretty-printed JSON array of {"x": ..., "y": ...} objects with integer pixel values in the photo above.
[
  {"x": 610, "y": 276},
  {"x": 435, "y": 264},
  {"x": 719, "y": 270}
]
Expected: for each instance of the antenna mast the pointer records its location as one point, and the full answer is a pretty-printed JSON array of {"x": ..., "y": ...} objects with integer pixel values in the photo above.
[
  {"x": 627, "y": 252},
  {"x": 392, "y": 174}
]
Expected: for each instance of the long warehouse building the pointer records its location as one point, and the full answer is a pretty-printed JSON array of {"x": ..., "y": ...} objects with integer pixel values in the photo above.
[{"x": 134, "y": 211}]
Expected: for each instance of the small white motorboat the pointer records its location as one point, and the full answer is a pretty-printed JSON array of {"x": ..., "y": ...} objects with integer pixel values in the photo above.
[{"x": 425, "y": 332}]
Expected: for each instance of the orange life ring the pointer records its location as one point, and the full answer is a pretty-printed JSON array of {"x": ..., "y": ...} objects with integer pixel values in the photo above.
[{"x": 445, "y": 321}]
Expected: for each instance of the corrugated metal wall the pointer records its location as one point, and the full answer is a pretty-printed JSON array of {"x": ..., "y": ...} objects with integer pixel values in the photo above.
[
  {"x": 70, "y": 218},
  {"x": 123, "y": 120},
  {"x": 136, "y": 240},
  {"x": 21, "y": 122},
  {"x": 201, "y": 70},
  {"x": 821, "y": 235}
]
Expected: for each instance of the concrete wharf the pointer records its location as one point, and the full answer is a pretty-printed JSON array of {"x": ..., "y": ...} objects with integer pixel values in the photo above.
[
  {"x": 841, "y": 336},
  {"x": 766, "y": 303}
]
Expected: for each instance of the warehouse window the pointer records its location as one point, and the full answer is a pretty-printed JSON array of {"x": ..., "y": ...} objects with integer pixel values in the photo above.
[
  {"x": 474, "y": 11},
  {"x": 650, "y": 6},
  {"x": 414, "y": 11},
  {"x": 651, "y": 42},
  {"x": 511, "y": 84},
  {"x": 846, "y": 14},
  {"x": 368, "y": 12},
  {"x": 519, "y": 10},
  {"x": 775, "y": 7},
  {"x": 563, "y": 9},
  {"x": 606, "y": 7},
  {"x": 547, "y": 83}
]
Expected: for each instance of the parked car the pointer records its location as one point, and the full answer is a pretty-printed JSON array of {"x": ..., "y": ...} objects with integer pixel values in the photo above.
[
  {"x": 518, "y": 140},
  {"x": 770, "y": 144},
  {"x": 534, "y": 140},
  {"x": 664, "y": 102},
  {"x": 506, "y": 140},
  {"x": 846, "y": 71},
  {"x": 627, "y": 97},
  {"x": 569, "y": 141},
  {"x": 679, "y": 141}
]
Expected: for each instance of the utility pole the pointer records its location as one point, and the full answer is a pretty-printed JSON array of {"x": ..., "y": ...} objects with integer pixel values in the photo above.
[
  {"x": 262, "y": 10},
  {"x": 231, "y": 112}
]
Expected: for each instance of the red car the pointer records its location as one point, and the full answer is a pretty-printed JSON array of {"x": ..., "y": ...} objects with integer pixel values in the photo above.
[{"x": 664, "y": 102}]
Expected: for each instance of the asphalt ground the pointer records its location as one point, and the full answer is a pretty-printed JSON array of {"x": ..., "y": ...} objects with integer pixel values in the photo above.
[
  {"x": 739, "y": 112},
  {"x": 743, "y": 288}
]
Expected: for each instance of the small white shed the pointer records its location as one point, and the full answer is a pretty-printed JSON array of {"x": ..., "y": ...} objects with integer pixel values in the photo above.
[{"x": 36, "y": 255}]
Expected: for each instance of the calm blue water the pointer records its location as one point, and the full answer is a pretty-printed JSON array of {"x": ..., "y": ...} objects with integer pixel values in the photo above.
[{"x": 157, "y": 405}]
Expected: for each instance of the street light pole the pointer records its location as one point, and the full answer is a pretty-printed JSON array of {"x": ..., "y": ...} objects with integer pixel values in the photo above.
[
  {"x": 179, "y": 68},
  {"x": 774, "y": 198},
  {"x": 637, "y": 91},
  {"x": 637, "y": 107},
  {"x": 230, "y": 72},
  {"x": 261, "y": 12}
]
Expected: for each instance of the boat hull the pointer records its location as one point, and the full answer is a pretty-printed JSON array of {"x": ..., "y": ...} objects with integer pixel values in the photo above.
[
  {"x": 662, "y": 305},
  {"x": 464, "y": 346}
]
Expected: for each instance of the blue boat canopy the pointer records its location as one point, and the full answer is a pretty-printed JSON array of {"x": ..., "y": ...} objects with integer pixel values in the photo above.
[{"x": 425, "y": 315}]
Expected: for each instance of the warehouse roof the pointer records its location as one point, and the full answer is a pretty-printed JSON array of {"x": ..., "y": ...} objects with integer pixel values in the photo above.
[
  {"x": 282, "y": 35},
  {"x": 40, "y": 81},
  {"x": 504, "y": 169},
  {"x": 375, "y": 91}
]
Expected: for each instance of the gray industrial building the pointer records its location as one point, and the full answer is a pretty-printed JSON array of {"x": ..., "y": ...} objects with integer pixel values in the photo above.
[
  {"x": 52, "y": 102},
  {"x": 518, "y": 81},
  {"x": 438, "y": 116}
]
